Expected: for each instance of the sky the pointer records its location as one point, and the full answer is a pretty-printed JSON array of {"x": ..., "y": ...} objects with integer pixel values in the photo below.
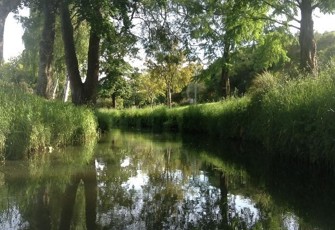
[{"x": 13, "y": 45}]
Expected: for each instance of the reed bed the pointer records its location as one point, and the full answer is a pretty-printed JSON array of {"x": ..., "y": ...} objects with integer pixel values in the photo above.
[
  {"x": 294, "y": 118},
  {"x": 31, "y": 124}
]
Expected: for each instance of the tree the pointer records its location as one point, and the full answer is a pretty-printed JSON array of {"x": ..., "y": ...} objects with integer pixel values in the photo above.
[
  {"x": 115, "y": 83},
  {"x": 171, "y": 69},
  {"x": 44, "y": 82},
  {"x": 82, "y": 92},
  {"x": 221, "y": 27},
  {"x": 291, "y": 9},
  {"x": 150, "y": 87},
  {"x": 167, "y": 44},
  {"x": 6, "y": 6},
  {"x": 105, "y": 19}
]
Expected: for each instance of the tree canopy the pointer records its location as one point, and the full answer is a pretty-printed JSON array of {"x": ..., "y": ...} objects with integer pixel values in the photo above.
[{"x": 90, "y": 43}]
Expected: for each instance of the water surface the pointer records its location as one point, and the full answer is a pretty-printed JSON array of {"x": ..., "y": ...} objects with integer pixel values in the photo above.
[{"x": 157, "y": 181}]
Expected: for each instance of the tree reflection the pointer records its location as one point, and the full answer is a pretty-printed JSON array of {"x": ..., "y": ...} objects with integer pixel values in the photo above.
[
  {"x": 89, "y": 180},
  {"x": 144, "y": 182}
]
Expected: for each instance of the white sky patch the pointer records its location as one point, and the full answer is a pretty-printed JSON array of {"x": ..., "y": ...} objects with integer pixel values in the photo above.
[
  {"x": 323, "y": 22},
  {"x": 13, "y": 45}
]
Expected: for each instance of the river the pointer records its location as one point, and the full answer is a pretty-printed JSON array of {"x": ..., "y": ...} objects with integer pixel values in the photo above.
[{"x": 133, "y": 180}]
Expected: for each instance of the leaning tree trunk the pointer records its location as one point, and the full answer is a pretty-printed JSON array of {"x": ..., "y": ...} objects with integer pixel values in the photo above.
[
  {"x": 6, "y": 6},
  {"x": 82, "y": 93},
  {"x": 306, "y": 38},
  {"x": 44, "y": 82}
]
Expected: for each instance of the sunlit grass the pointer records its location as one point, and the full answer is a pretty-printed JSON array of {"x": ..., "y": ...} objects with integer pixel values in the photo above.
[
  {"x": 29, "y": 123},
  {"x": 290, "y": 117}
]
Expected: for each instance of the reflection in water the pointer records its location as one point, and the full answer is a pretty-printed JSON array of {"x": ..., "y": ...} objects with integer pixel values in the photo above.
[
  {"x": 144, "y": 181},
  {"x": 89, "y": 180}
]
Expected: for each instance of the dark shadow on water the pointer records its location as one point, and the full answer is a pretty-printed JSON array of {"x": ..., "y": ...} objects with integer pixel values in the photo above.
[
  {"x": 166, "y": 181},
  {"x": 307, "y": 189}
]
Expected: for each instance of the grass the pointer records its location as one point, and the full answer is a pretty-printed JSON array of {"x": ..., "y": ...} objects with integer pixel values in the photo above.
[
  {"x": 30, "y": 124},
  {"x": 299, "y": 118},
  {"x": 293, "y": 118},
  {"x": 206, "y": 118}
]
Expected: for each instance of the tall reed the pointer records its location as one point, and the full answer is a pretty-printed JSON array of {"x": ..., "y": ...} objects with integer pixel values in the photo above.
[
  {"x": 294, "y": 118},
  {"x": 29, "y": 123}
]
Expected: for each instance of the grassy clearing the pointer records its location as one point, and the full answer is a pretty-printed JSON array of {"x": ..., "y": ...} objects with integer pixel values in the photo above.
[
  {"x": 30, "y": 124},
  {"x": 294, "y": 118}
]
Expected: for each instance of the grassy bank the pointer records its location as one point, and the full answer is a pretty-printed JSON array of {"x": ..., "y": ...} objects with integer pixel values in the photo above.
[
  {"x": 30, "y": 124},
  {"x": 223, "y": 119},
  {"x": 294, "y": 118}
]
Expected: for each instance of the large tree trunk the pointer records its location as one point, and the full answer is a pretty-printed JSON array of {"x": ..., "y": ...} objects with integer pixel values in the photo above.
[
  {"x": 2, "y": 28},
  {"x": 6, "y": 6},
  {"x": 92, "y": 76},
  {"x": 82, "y": 93},
  {"x": 44, "y": 82},
  {"x": 225, "y": 69},
  {"x": 306, "y": 38},
  {"x": 71, "y": 60}
]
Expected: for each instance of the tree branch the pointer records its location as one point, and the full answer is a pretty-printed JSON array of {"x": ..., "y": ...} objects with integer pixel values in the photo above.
[{"x": 276, "y": 21}]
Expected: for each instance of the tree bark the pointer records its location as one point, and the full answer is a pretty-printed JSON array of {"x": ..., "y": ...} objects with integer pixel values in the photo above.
[
  {"x": 71, "y": 60},
  {"x": 2, "y": 29},
  {"x": 82, "y": 92},
  {"x": 225, "y": 69},
  {"x": 92, "y": 77},
  {"x": 306, "y": 38},
  {"x": 67, "y": 89},
  {"x": 44, "y": 82},
  {"x": 6, "y": 6},
  {"x": 113, "y": 100}
]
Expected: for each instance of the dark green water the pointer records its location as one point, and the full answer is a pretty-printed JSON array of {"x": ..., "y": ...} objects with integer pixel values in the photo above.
[{"x": 156, "y": 181}]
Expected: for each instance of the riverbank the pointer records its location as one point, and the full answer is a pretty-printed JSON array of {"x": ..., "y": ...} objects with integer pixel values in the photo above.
[
  {"x": 31, "y": 124},
  {"x": 292, "y": 118}
]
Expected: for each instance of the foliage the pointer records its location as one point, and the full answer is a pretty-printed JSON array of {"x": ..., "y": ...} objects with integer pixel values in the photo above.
[
  {"x": 150, "y": 87},
  {"x": 115, "y": 83},
  {"x": 262, "y": 84},
  {"x": 326, "y": 48},
  {"x": 290, "y": 117},
  {"x": 14, "y": 72},
  {"x": 30, "y": 124},
  {"x": 272, "y": 49}
]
